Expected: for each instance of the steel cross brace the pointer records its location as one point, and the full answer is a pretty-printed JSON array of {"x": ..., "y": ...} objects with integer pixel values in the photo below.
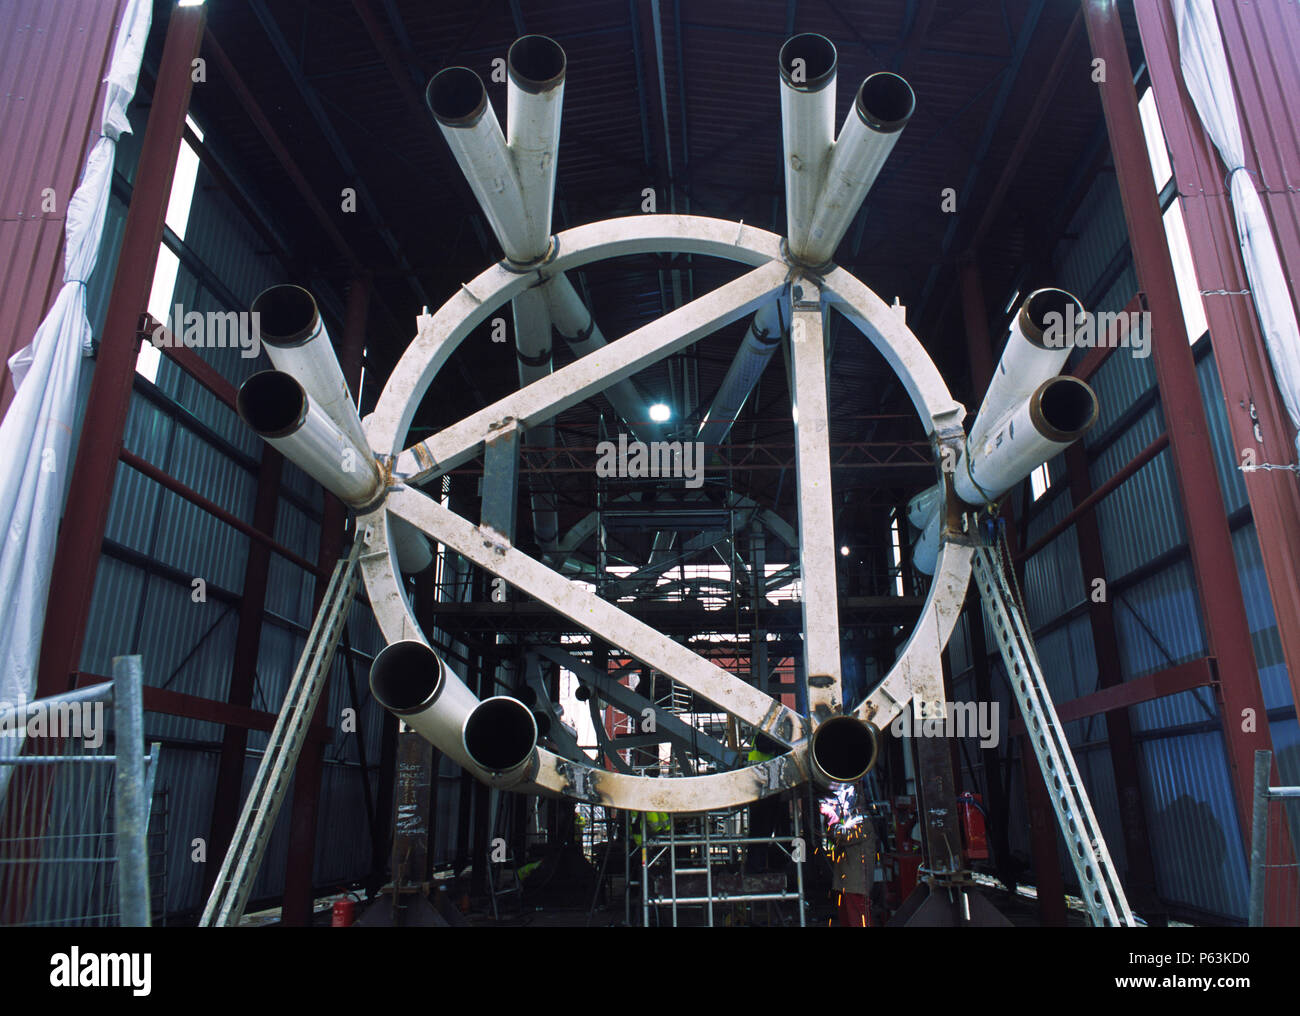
[{"x": 821, "y": 620}]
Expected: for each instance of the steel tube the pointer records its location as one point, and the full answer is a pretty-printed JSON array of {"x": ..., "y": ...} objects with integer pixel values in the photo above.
[
  {"x": 1259, "y": 837},
  {"x": 843, "y": 749},
  {"x": 534, "y": 100},
  {"x": 131, "y": 807},
  {"x": 883, "y": 106},
  {"x": 459, "y": 102},
  {"x": 807, "y": 65},
  {"x": 413, "y": 683},
  {"x": 282, "y": 413},
  {"x": 762, "y": 339},
  {"x": 1029, "y": 357},
  {"x": 1058, "y": 413},
  {"x": 298, "y": 344},
  {"x": 574, "y": 321},
  {"x": 500, "y": 736},
  {"x": 414, "y": 552}
]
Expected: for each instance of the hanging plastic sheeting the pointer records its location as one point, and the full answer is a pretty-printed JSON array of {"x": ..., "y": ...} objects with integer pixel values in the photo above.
[
  {"x": 37, "y": 429},
  {"x": 1209, "y": 83}
]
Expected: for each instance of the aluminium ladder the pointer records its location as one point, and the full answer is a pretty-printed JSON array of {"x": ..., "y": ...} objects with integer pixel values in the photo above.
[
  {"x": 1098, "y": 883},
  {"x": 243, "y": 859}
]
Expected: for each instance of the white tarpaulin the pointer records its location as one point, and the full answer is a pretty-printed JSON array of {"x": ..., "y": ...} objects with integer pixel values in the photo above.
[
  {"x": 37, "y": 430},
  {"x": 1209, "y": 83}
]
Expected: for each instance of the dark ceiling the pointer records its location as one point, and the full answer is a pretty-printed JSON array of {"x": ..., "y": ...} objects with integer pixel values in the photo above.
[{"x": 681, "y": 97}]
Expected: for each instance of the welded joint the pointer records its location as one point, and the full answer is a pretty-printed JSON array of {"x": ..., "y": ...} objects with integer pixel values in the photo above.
[
  {"x": 792, "y": 259},
  {"x": 527, "y": 267},
  {"x": 779, "y": 723},
  {"x": 427, "y": 463}
]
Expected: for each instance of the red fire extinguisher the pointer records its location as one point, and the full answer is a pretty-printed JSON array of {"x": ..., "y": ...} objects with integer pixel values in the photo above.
[
  {"x": 343, "y": 913},
  {"x": 971, "y": 808}
]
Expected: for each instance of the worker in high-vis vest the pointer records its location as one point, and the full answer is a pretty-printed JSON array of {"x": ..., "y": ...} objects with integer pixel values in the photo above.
[
  {"x": 767, "y": 816},
  {"x": 656, "y": 824}
]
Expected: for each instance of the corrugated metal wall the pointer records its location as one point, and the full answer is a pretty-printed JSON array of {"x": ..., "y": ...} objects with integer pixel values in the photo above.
[
  {"x": 156, "y": 542},
  {"x": 1195, "y": 836}
]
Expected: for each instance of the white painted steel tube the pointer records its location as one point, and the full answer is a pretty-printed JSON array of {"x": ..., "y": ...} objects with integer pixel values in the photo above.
[
  {"x": 500, "y": 737},
  {"x": 807, "y": 65},
  {"x": 762, "y": 339},
  {"x": 1027, "y": 359},
  {"x": 459, "y": 102},
  {"x": 843, "y": 749},
  {"x": 278, "y": 408},
  {"x": 534, "y": 101},
  {"x": 413, "y": 683},
  {"x": 414, "y": 552},
  {"x": 883, "y": 106},
  {"x": 575, "y": 323},
  {"x": 297, "y": 343},
  {"x": 923, "y": 505},
  {"x": 1057, "y": 414},
  {"x": 925, "y": 552}
]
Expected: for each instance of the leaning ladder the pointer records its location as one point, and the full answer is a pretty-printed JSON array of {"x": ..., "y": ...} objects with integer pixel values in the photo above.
[
  {"x": 243, "y": 860},
  {"x": 1099, "y": 885}
]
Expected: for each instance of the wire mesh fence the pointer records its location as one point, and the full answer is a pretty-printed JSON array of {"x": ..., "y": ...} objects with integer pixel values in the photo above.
[
  {"x": 66, "y": 823},
  {"x": 1274, "y": 887}
]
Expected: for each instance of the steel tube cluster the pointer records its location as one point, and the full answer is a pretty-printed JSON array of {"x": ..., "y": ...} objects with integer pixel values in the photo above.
[
  {"x": 827, "y": 177},
  {"x": 1030, "y": 414}
]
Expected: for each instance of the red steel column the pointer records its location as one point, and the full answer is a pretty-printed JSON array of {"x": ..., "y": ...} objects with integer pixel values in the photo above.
[
  {"x": 81, "y": 534},
  {"x": 1226, "y": 628},
  {"x": 248, "y": 637},
  {"x": 1140, "y": 877},
  {"x": 1245, "y": 372},
  {"x": 300, "y": 869}
]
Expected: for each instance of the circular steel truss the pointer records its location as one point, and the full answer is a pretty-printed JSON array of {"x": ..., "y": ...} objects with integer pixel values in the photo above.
[{"x": 916, "y": 672}]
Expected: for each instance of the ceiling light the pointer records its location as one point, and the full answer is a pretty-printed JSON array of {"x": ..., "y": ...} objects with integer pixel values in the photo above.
[{"x": 660, "y": 413}]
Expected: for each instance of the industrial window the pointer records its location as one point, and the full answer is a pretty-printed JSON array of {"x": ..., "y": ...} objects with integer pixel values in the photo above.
[
  {"x": 896, "y": 552},
  {"x": 1039, "y": 480},
  {"x": 1171, "y": 207},
  {"x": 168, "y": 264}
]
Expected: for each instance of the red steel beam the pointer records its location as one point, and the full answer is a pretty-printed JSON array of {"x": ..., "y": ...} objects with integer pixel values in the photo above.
[
  {"x": 81, "y": 534},
  {"x": 1245, "y": 724},
  {"x": 1088, "y": 497},
  {"x": 300, "y": 869},
  {"x": 189, "y": 361},
  {"x": 1198, "y": 673},
  {"x": 194, "y": 707},
  {"x": 258, "y": 534}
]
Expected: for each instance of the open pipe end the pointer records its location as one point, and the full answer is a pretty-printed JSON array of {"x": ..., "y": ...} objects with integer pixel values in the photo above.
[
  {"x": 1044, "y": 314},
  {"x": 501, "y": 735},
  {"x": 272, "y": 403},
  {"x": 807, "y": 62},
  {"x": 843, "y": 749},
  {"x": 1063, "y": 408},
  {"x": 536, "y": 63},
  {"x": 456, "y": 97},
  {"x": 287, "y": 315},
  {"x": 406, "y": 677},
  {"x": 885, "y": 102}
]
